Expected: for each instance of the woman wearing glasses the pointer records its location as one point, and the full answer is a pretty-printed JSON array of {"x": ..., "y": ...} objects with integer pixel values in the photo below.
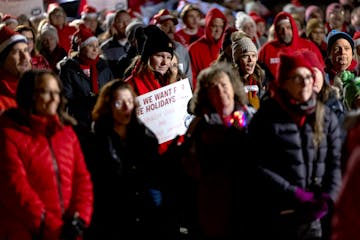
[
  {"x": 46, "y": 189},
  {"x": 125, "y": 169},
  {"x": 298, "y": 162}
]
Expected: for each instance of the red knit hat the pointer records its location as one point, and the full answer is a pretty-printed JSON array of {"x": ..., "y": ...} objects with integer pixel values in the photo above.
[
  {"x": 84, "y": 36},
  {"x": 256, "y": 17},
  {"x": 7, "y": 19},
  {"x": 162, "y": 16},
  {"x": 8, "y": 38},
  {"x": 356, "y": 38},
  {"x": 89, "y": 12},
  {"x": 289, "y": 62}
]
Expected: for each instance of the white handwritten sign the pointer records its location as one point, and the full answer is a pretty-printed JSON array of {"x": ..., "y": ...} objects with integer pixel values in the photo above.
[{"x": 164, "y": 110}]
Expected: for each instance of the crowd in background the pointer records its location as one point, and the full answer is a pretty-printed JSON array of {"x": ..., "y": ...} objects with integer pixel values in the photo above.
[{"x": 272, "y": 149}]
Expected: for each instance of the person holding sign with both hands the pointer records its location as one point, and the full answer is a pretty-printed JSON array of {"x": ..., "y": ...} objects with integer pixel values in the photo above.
[{"x": 153, "y": 69}]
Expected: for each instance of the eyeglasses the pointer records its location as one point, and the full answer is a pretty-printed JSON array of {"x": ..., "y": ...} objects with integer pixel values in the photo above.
[
  {"x": 119, "y": 104},
  {"x": 338, "y": 12},
  {"x": 46, "y": 92},
  {"x": 300, "y": 79}
]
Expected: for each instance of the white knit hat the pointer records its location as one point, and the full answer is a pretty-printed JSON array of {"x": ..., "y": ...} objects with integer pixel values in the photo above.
[{"x": 241, "y": 18}]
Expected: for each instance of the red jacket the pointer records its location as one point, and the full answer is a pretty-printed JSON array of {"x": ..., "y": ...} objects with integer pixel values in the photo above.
[{"x": 42, "y": 170}]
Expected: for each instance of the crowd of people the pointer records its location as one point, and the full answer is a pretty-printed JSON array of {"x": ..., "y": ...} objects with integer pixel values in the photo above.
[{"x": 271, "y": 150}]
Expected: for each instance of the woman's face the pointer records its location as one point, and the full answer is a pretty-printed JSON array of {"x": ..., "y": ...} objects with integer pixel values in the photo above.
[
  {"x": 221, "y": 95},
  {"x": 318, "y": 35},
  {"x": 250, "y": 29},
  {"x": 247, "y": 63},
  {"x": 47, "y": 96},
  {"x": 91, "y": 23},
  {"x": 91, "y": 50},
  {"x": 57, "y": 18},
  {"x": 160, "y": 62},
  {"x": 48, "y": 42},
  {"x": 30, "y": 39},
  {"x": 122, "y": 106},
  {"x": 300, "y": 84}
]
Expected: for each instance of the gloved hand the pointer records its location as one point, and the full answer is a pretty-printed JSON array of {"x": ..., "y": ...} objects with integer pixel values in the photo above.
[
  {"x": 156, "y": 196},
  {"x": 72, "y": 228},
  {"x": 303, "y": 196},
  {"x": 310, "y": 207}
]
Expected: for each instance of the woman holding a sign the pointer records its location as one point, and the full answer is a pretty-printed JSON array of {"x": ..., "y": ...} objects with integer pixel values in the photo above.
[{"x": 153, "y": 69}]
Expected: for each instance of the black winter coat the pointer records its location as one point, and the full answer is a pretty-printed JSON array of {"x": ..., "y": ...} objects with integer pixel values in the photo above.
[
  {"x": 122, "y": 173},
  {"x": 287, "y": 158},
  {"x": 78, "y": 90}
]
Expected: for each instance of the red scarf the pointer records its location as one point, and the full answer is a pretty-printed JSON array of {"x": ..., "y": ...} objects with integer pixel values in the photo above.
[
  {"x": 297, "y": 111},
  {"x": 8, "y": 84},
  {"x": 84, "y": 64}
]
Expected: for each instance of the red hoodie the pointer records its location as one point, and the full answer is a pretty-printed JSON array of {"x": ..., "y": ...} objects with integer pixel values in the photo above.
[
  {"x": 206, "y": 50},
  {"x": 269, "y": 52}
]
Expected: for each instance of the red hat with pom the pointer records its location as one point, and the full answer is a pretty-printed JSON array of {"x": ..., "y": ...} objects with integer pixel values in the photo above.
[
  {"x": 84, "y": 36},
  {"x": 162, "y": 16},
  {"x": 89, "y": 12},
  {"x": 7, "y": 19},
  {"x": 256, "y": 17},
  {"x": 8, "y": 38}
]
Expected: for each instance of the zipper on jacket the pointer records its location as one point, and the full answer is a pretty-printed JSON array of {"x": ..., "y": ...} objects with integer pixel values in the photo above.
[{"x": 56, "y": 169}]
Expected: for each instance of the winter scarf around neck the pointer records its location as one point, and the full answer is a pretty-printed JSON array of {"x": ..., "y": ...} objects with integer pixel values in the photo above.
[
  {"x": 298, "y": 111},
  {"x": 84, "y": 61}
]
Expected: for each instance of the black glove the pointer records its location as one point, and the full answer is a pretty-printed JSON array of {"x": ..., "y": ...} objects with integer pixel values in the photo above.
[{"x": 72, "y": 228}]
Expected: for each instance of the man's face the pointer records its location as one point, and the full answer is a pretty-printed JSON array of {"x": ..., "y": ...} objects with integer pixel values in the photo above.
[
  {"x": 341, "y": 54},
  {"x": 217, "y": 28},
  {"x": 285, "y": 32},
  {"x": 168, "y": 26},
  {"x": 120, "y": 23},
  {"x": 18, "y": 60}
]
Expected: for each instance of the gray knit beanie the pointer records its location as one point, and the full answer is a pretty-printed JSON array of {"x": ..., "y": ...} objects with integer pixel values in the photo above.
[{"x": 241, "y": 44}]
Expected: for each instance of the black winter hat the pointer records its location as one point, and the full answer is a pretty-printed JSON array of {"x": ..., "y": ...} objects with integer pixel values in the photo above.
[{"x": 156, "y": 41}]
